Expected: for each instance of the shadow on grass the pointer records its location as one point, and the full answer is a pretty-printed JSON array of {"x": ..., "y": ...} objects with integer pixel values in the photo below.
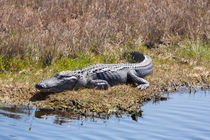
[{"x": 39, "y": 96}]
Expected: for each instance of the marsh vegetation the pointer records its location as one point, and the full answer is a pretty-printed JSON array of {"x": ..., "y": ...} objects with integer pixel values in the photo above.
[{"x": 39, "y": 38}]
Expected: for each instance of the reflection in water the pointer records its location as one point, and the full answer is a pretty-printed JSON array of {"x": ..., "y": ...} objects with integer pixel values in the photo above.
[
  {"x": 60, "y": 117},
  {"x": 10, "y": 115},
  {"x": 183, "y": 116},
  {"x": 13, "y": 111}
]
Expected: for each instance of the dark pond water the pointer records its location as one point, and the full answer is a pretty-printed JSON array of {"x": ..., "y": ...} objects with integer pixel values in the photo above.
[{"x": 183, "y": 117}]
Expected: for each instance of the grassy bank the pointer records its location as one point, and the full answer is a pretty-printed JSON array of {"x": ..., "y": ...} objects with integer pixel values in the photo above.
[
  {"x": 40, "y": 38},
  {"x": 175, "y": 67}
]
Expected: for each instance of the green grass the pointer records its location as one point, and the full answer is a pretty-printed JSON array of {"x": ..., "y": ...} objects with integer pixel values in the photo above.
[
  {"x": 82, "y": 61},
  {"x": 13, "y": 64},
  {"x": 21, "y": 70},
  {"x": 195, "y": 49}
]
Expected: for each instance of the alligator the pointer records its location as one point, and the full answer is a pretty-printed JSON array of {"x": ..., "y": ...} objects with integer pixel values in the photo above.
[{"x": 100, "y": 76}]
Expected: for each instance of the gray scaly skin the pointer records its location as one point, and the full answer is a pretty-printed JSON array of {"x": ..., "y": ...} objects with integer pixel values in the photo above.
[{"x": 99, "y": 76}]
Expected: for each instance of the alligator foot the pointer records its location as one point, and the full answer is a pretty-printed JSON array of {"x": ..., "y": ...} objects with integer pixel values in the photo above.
[
  {"x": 102, "y": 86},
  {"x": 142, "y": 86},
  {"x": 99, "y": 84}
]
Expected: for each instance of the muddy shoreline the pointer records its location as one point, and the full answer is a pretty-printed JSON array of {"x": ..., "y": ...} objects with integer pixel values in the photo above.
[{"x": 71, "y": 101}]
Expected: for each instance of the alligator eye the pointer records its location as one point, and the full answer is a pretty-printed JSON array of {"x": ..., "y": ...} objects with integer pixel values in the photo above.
[
  {"x": 72, "y": 78},
  {"x": 61, "y": 76}
]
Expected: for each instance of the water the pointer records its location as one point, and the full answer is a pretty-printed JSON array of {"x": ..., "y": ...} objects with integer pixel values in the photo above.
[{"x": 183, "y": 117}]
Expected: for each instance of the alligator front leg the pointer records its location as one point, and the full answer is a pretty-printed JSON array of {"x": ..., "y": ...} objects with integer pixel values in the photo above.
[
  {"x": 98, "y": 84},
  {"x": 143, "y": 84}
]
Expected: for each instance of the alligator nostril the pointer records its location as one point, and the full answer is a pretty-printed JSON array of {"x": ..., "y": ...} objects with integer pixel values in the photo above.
[{"x": 40, "y": 86}]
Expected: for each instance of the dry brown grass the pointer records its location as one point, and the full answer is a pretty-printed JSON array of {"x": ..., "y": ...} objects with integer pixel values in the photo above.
[{"x": 42, "y": 30}]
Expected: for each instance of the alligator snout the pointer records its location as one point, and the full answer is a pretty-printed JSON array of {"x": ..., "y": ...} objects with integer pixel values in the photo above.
[{"x": 40, "y": 86}]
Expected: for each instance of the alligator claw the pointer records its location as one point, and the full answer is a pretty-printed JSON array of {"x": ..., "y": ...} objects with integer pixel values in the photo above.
[
  {"x": 143, "y": 86},
  {"x": 102, "y": 86}
]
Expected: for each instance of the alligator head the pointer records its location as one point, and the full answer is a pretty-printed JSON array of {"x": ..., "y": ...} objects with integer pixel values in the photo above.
[{"x": 65, "y": 80}]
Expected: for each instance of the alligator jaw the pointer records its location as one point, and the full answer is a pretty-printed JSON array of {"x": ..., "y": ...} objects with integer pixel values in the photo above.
[
  {"x": 51, "y": 90},
  {"x": 42, "y": 88},
  {"x": 45, "y": 90}
]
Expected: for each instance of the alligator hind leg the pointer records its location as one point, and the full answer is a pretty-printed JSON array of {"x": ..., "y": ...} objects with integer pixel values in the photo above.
[
  {"x": 143, "y": 84},
  {"x": 98, "y": 84}
]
